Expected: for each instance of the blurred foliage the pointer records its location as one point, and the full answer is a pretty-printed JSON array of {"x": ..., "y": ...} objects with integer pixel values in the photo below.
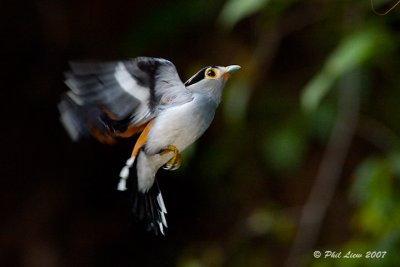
[
  {"x": 353, "y": 51},
  {"x": 236, "y": 10},
  {"x": 285, "y": 147},
  {"x": 238, "y": 197},
  {"x": 376, "y": 221}
]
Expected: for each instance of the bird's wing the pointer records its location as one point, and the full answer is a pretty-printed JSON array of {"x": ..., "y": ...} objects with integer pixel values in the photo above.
[{"x": 110, "y": 99}]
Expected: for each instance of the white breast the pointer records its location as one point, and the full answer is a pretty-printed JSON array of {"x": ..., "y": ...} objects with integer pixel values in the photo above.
[{"x": 181, "y": 125}]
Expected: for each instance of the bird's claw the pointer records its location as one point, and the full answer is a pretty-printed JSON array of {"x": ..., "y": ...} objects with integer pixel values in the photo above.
[{"x": 175, "y": 162}]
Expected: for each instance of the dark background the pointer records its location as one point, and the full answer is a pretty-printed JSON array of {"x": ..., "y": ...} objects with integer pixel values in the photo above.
[{"x": 303, "y": 155}]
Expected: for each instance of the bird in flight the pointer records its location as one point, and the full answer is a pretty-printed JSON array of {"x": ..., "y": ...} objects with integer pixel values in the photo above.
[{"x": 142, "y": 96}]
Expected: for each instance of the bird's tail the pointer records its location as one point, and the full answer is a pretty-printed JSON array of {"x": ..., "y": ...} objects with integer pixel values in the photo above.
[{"x": 148, "y": 207}]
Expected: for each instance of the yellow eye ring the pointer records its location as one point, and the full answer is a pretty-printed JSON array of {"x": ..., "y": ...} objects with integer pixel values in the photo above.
[{"x": 211, "y": 73}]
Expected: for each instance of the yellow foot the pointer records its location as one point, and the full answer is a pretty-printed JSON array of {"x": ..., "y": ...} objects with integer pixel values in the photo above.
[{"x": 175, "y": 162}]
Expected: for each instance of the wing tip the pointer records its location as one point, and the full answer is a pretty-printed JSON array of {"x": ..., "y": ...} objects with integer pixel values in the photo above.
[{"x": 70, "y": 120}]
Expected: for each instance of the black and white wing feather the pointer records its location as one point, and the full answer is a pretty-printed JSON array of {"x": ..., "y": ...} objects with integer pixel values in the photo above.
[{"x": 108, "y": 97}]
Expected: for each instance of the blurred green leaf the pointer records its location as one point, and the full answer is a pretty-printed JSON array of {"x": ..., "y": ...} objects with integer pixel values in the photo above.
[
  {"x": 374, "y": 192},
  {"x": 395, "y": 163},
  {"x": 271, "y": 221},
  {"x": 261, "y": 222},
  {"x": 236, "y": 10},
  {"x": 352, "y": 51},
  {"x": 284, "y": 148},
  {"x": 370, "y": 176},
  {"x": 201, "y": 255},
  {"x": 322, "y": 121},
  {"x": 164, "y": 23},
  {"x": 236, "y": 102},
  {"x": 191, "y": 263}
]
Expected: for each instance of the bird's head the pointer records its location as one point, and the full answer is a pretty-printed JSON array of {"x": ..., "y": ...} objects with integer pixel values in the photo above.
[{"x": 211, "y": 80}]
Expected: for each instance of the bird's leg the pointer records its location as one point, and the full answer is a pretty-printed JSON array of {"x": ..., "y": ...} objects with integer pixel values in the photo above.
[{"x": 175, "y": 162}]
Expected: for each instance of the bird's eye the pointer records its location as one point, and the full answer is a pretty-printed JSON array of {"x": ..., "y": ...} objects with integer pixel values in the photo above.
[{"x": 211, "y": 73}]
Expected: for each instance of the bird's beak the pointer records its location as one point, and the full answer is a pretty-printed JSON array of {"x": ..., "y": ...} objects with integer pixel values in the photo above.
[{"x": 230, "y": 70}]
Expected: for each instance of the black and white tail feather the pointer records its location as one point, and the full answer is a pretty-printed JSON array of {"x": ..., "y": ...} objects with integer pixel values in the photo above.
[{"x": 148, "y": 207}]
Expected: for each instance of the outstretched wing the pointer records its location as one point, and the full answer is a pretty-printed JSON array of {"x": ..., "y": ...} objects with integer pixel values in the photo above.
[{"x": 118, "y": 98}]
